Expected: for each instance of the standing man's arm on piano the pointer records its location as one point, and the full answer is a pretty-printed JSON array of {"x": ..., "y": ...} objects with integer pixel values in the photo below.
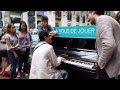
[{"x": 52, "y": 32}]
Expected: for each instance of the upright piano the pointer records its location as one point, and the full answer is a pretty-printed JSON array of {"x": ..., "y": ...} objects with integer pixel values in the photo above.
[{"x": 80, "y": 56}]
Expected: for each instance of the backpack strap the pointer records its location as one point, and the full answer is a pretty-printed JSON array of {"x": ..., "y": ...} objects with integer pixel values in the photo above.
[
  {"x": 48, "y": 28},
  {"x": 39, "y": 46}
]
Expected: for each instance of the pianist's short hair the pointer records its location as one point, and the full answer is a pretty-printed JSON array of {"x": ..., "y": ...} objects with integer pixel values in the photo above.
[
  {"x": 42, "y": 34},
  {"x": 99, "y": 12}
]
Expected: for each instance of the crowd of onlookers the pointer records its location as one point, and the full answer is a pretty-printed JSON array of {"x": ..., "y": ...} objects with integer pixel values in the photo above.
[{"x": 15, "y": 49}]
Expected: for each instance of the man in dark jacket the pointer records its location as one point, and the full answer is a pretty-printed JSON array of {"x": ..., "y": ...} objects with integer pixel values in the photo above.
[{"x": 44, "y": 26}]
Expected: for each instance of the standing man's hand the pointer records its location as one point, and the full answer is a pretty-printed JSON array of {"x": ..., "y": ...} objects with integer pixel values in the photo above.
[{"x": 53, "y": 33}]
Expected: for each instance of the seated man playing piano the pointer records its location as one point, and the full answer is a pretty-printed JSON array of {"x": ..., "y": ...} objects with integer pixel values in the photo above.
[{"x": 44, "y": 60}]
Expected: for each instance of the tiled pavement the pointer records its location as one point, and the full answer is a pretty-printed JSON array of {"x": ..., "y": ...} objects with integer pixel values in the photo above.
[
  {"x": 4, "y": 77},
  {"x": 23, "y": 77}
]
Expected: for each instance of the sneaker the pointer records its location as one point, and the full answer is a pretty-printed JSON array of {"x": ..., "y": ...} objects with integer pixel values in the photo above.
[
  {"x": 26, "y": 74},
  {"x": 18, "y": 76},
  {"x": 2, "y": 72}
]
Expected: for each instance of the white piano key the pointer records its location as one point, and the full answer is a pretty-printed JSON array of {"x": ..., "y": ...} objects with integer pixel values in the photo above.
[{"x": 80, "y": 64}]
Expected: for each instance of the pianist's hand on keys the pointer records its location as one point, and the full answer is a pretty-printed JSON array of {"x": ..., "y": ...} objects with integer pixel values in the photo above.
[{"x": 62, "y": 59}]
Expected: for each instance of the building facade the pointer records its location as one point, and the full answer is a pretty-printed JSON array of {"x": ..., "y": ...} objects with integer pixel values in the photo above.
[{"x": 56, "y": 18}]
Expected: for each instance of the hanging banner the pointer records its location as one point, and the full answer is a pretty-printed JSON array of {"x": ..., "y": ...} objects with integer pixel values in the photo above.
[
  {"x": 76, "y": 31},
  {"x": 41, "y": 13}
]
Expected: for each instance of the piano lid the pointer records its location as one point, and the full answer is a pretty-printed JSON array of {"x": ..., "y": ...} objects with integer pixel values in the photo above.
[
  {"x": 73, "y": 43},
  {"x": 77, "y": 48}
]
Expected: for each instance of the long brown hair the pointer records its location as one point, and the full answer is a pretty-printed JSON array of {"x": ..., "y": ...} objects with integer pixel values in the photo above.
[
  {"x": 9, "y": 28},
  {"x": 23, "y": 22},
  {"x": 118, "y": 17},
  {"x": 4, "y": 28}
]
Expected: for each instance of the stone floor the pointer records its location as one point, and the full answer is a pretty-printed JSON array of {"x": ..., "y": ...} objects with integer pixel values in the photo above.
[
  {"x": 22, "y": 77},
  {"x": 4, "y": 77}
]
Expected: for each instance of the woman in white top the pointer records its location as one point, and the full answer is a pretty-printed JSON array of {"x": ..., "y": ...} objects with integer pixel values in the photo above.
[{"x": 12, "y": 43}]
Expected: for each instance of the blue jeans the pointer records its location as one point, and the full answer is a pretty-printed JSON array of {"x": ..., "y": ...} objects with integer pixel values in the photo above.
[{"x": 14, "y": 63}]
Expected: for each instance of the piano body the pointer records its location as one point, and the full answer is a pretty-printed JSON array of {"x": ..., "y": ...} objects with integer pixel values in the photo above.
[
  {"x": 78, "y": 47},
  {"x": 80, "y": 56}
]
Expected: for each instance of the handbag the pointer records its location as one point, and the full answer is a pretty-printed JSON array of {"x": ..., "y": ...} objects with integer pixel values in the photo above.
[
  {"x": 21, "y": 51},
  {"x": 3, "y": 46}
]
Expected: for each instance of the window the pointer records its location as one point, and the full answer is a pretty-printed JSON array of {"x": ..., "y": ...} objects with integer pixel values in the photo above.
[
  {"x": 69, "y": 16},
  {"x": 31, "y": 13},
  {"x": 58, "y": 14},
  {"x": 1, "y": 24},
  {"x": 15, "y": 17},
  {"x": 58, "y": 18},
  {"x": 78, "y": 18},
  {"x": 15, "y": 20},
  {"x": 31, "y": 19},
  {"x": 83, "y": 19}
]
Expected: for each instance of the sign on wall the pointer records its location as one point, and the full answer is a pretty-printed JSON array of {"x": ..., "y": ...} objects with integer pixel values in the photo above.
[
  {"x": 40, "y": 13},
  {"x": 76, "y": 31},
  {"x": 31, "y": 19}
]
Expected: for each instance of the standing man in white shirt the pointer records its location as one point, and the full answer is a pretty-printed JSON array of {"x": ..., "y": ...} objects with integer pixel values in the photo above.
[{"x": 44, "y": 60}]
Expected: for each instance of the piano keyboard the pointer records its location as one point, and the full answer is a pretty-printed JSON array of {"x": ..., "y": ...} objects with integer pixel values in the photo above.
[{"x": 79, "y": 63}]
